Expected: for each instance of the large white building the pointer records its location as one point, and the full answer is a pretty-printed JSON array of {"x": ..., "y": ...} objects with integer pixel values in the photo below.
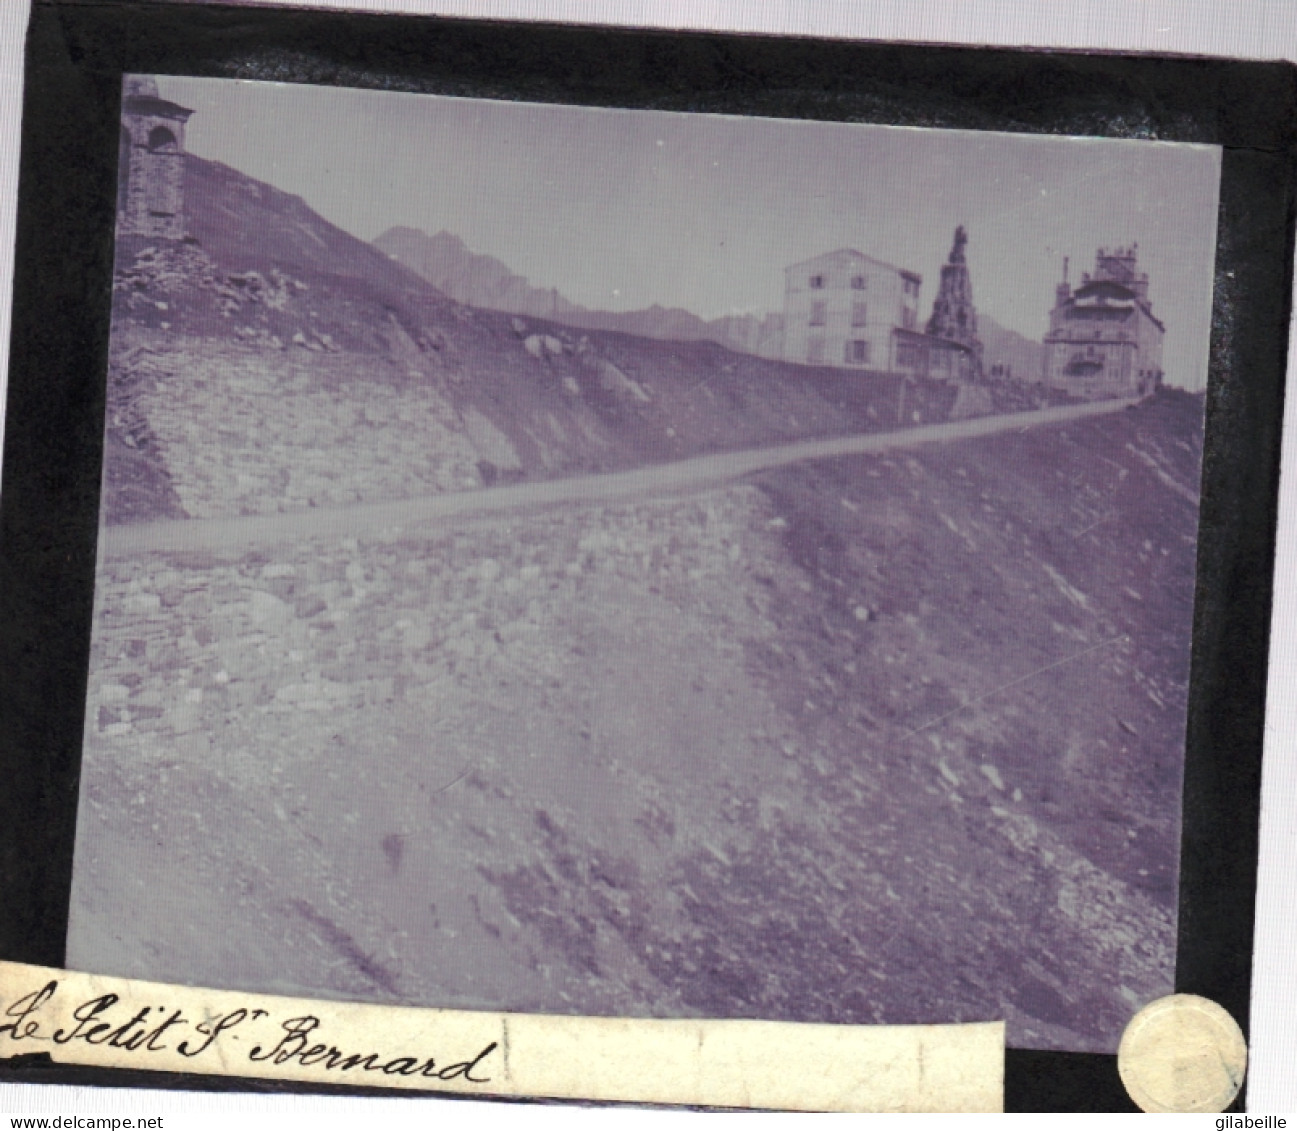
[
  {"x": 842, "y": 308},
  {"x": 1103, "y": 339}
]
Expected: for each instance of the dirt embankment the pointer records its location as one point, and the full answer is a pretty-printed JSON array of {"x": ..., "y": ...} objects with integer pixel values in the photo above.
[{"x": 876, "y": 739}]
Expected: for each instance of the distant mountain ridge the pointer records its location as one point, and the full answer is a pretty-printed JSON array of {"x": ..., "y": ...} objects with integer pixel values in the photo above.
[
  {"x": 475, "y": 280},
  {"x": 483, "y": 281},
  {"x": 1020, "y": 357}
]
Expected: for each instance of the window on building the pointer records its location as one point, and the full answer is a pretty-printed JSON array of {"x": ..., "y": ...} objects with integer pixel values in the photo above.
[
  {"x": 818, "y": 313},
  {"x": 907, "y": 317},
  {"x": 857, "y": 353},
  {"x": 815, "y": 351},
  {"x": 817, "y": 282},
  {"x": 859, "y": 314},
  {"x": 857, "y": 282}
]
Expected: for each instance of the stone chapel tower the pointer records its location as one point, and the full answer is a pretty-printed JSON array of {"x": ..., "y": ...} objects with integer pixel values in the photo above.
[
  {"x": 151, "y": 169},
  {"x": 954, "y": 317}
]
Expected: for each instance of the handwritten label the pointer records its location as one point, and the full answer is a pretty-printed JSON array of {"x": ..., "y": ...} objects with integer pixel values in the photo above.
[{"x": 116, "y": 1022}]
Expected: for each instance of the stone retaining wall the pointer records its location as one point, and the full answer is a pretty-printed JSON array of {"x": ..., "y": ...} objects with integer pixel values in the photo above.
[
  {"x": 246, "y": 430},
  {"x": 192, "y": 646}
]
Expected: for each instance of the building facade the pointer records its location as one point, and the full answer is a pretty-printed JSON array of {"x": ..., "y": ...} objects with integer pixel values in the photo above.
[
  {"x": 1103, "y": 339},
  {"x": 841, "y": 309},
  {"x": 151, "y": 170}
]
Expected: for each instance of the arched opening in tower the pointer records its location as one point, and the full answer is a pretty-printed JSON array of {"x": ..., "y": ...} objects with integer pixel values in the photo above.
[{"x": 162, "y": 140}]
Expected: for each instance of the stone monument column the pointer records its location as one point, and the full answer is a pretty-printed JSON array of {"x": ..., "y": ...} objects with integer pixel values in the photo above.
[{"x": 954, "y": 317}]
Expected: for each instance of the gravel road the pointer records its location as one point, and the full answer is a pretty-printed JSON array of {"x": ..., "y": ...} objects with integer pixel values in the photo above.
[{"x": 699, "y": 473}]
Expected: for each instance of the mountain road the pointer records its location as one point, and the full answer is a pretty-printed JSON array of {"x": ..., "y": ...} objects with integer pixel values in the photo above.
[{"x": 683, "y": 476}]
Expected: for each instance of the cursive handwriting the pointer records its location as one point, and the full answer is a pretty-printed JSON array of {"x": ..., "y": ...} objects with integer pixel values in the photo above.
[
  {"x": 23, "y": 1027},
  {"x": 295, "y": 1045},
  {"x": 140, "y": 1030},
  {"x": 93, "y": 1028}
]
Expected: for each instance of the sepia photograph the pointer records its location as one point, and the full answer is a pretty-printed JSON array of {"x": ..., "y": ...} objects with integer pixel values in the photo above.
[{"x": 632, "y": 563}]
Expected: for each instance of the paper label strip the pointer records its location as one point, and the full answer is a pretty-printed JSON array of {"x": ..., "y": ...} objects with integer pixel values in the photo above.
[{"x": 121, "y": 1023}]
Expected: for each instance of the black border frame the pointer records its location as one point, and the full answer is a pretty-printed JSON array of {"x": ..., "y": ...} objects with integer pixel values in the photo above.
[{"x": 77, "y": 51}]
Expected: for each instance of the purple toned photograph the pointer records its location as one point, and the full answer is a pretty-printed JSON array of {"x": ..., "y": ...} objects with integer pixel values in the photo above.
[{"x": 644, "y": 564}]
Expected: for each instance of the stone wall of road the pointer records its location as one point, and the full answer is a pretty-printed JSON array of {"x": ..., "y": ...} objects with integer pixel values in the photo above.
[
  {"x": 192, "y": 645},
  {"x": 248, "y": 430}
]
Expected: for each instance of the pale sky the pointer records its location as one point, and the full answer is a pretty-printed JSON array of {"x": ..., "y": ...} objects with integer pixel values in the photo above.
[{"x": 620, "y": 209}]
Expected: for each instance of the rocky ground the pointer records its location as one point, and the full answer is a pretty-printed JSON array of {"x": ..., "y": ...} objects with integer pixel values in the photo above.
[{"x": 875, "y": 739}]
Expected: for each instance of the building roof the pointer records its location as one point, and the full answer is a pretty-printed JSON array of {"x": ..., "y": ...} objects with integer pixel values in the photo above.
[
  {"x": 1113, "y": 295},
  {"x": 855, "y": 256},
  {"x": 154, "y": 107}
]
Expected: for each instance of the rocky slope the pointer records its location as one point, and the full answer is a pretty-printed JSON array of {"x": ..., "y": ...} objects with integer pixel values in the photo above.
[{"x": 876, "y": 739}]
